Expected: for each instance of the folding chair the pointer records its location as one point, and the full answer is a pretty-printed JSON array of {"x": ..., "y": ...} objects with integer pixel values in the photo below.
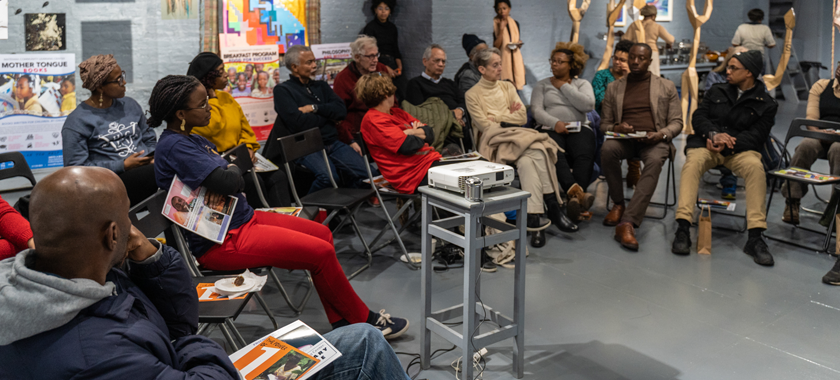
[
  {"x": 798, "y": 128},
  {"x": 19, "y": 168},
  {"x": 671, "y": 180},
  {"x": 146, "y": 216},
  {"x": 334, "y": 199},
  {"x": 409, "y": 198}
]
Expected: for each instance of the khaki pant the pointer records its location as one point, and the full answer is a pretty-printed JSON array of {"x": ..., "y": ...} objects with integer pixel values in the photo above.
[
  {"x": 745, "y": 164},
  {"x": 653, "y": 157},
  {"x": 533, "y": 166},
  {"x": 807, "y": 152}
]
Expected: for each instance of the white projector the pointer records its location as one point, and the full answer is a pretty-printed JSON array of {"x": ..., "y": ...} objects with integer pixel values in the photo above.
[{"x": 453, "y": 177}]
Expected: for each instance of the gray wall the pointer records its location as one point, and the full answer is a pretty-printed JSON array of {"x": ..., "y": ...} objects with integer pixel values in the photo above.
[{"x": 156, "y": 47}]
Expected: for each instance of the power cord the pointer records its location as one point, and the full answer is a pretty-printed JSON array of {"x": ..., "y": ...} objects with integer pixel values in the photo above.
[{"x": 416, "y": 359}]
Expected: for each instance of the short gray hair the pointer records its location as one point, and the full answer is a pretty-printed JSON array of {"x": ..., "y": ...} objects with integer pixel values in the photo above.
[
  {"x": 292, "y": 56},
  {"x": 428, "y": 52},
  {"x": 483, "y": 57},
  {"x": 360, "y": 45}
]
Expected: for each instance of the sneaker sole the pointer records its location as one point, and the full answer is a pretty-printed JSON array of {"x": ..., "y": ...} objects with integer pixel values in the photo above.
[
  {"x": 398, "y": 333},
  {"x": 540, "y": 228},
  {"x": 755, "y": 259},
  {"x": 681, "y": 253},
  {"x": 835, "y": 283}
]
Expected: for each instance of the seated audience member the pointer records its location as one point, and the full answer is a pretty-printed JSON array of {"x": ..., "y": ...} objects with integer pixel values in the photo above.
[
  {"x": 68, "y": 95},
  {"x": 15, "y": 234},
  {"x": 823, "y": 104},
  {"x": 468, "y": 75},
  {"x": 731, "y": 125},
  {"x": 27, "y": 97},
  {"x": 498, "y": 113},
  {"x": 365, "y": 60},
  {"x": 229, "y": 128},
  {"x": 254, "y": 238},
  {"x": 432, "y": 84},
  {"x": 303, "y": 104},
  {"x": 109, "y": 130},
  {"x": 387, "y": 38},
  {"x": 70, "y": 297},
  {"x": 555, "y": 102},
  {"x": 639, "y": 102}
]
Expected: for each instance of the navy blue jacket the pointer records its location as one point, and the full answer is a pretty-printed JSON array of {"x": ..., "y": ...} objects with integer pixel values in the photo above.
[
  {"x": 292, "y": 94},
  {"x": 144, "y": 331}
]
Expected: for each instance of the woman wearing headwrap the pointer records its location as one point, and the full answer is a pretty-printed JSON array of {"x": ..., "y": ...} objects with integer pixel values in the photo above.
[
  {"x": 229, "y": 128},
  {"x": 506, "y": 39},
  {"x": 653, "y": 32},
  {"x": 109, "y": 130}
]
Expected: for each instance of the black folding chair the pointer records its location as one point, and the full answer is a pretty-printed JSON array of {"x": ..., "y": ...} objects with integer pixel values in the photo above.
[
  {"x": 670, "y": 188},
  {"x": 146, "y": 216},
  {"x": 392, "y": 194},
  {"x": 20, "y": 168},
  {"x": 240, "y": 157},
  {"x": 799, "y": 128},
  {"x": 334, "y": 199}
]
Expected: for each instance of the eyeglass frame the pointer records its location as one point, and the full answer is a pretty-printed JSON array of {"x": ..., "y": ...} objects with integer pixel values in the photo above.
[
  {"x": 120, "y": 79},
  {"x": 551, "y": 61},
  {"x": 206, "y": 104},
  {"x": 372, "y": 56}
]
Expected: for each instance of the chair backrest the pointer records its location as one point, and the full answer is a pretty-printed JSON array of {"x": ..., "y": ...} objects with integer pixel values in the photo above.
[
  {"x": 799, "y": 128},
  {"x": 240, "y": 157},
  {"x": 271, "y": 149},
  {"x": 359, "y": 139},
  {"x": 20, "y": 167},
  {"x": 300, "y": 144},
  {"x": 153, "y": 223}
]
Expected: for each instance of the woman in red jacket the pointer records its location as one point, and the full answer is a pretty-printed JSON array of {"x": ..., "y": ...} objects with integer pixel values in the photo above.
[{"x": 15, "y": 234}]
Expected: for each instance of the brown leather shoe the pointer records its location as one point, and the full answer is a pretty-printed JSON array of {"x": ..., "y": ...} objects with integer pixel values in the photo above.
[
  {"x": 634, "y": 172},
  {"x": 614, "y": 217},
  {"x": 626, "y": 235}
]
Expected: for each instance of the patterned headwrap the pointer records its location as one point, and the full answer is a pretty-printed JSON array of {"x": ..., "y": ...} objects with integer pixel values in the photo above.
[{"x": 95, "y": 70}]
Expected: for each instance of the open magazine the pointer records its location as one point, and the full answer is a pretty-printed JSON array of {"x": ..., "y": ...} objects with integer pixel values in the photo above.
[
  {"x": 572, "y": 126},
  {"x": 294, "y": 352},
  {"x": 189, "y": 209},
  {"x": 293, "y": 211},
  {"x": 381, "y": 183},
  {"x": 461, "y": 157},
  {"x": 622, "y": 136},
  {"x": 264, "y": 165},
  {"x": 715, "y": 204},
  {"x": 805, "y": 175}
]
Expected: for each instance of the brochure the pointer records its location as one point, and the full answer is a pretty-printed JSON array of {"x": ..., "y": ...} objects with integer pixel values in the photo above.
[
  {"x": 264, "y": 165},
  {"x": 194, "y": 212},
  {"x": 621, "y": 136},
  {"x": 381, "y": 183},
  {"x": 808, "y": 176},
  {"x": 272, "y": 359},
  {"x": 472, "y": 156},
  {"x": 297, "y": 335},
  {"x": 723, "y": 205},
  {"x": 572, "y": 126},
  {"x": 293, "y": 211}
]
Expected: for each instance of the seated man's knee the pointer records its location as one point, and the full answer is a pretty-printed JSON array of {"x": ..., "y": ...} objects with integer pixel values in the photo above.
[{"x": 611, "y": 150}]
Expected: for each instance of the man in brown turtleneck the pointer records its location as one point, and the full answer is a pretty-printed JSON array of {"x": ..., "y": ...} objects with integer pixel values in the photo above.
[{"x": 639, "y": 102}]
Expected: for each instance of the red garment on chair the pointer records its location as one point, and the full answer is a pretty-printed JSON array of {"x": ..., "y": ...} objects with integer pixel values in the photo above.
[{"x": 14, "y": 231}]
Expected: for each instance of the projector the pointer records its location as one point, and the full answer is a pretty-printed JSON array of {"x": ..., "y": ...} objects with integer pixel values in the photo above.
[{"x": 453, "y": 177}]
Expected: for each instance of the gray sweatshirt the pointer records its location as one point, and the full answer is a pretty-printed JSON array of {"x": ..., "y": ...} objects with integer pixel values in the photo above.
[
  {"x": 571, "y": 102},
  {"x": 106, "y": 137}
]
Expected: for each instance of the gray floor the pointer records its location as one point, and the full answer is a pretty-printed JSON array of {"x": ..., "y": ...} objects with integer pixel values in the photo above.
[{"x": 597, "y": 311}]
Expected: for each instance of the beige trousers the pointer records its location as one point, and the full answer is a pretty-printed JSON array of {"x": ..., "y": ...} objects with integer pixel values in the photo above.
[
  {"x": 534, "y": 178},
  {"x": 745, "y": 164}
]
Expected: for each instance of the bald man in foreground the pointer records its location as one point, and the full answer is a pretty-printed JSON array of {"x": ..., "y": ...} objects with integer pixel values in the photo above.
[{"x": 66, "y": 311}]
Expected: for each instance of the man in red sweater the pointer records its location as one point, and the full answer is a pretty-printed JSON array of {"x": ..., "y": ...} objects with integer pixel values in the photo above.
[
  {"x": 15, "y": 234},
  {"x": 366, "y": 60}
]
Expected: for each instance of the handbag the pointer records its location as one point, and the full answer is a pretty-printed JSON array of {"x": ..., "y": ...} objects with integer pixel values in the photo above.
[{"x": 704, "y": 232}]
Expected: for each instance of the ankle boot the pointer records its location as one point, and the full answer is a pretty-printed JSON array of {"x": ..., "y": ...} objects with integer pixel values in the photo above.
[
  {"x": 538, "y": 238},
  {"x": 556, "y": 215},
  {"x": 536, "y": 222},
  {"x": 791, "y": 214}
]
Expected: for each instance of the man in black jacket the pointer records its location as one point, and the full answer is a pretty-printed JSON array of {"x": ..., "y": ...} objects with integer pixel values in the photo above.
[
  {"x": 730, "y": 128},
  {"x": 302, "y": 104},
  {"x": 432, "y": 84}
]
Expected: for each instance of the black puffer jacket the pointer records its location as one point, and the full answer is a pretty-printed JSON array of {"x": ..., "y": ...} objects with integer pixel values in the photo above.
[{"x": 749, "y": 119}]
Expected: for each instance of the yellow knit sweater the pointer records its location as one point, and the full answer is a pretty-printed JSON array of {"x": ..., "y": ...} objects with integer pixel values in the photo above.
[{"x": 228, "y": 126}]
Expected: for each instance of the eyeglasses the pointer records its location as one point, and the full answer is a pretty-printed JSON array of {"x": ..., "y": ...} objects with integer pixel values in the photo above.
[
  {"x": 202, "y": 106},
  {"x": 439, "y": 61},
  {"x": 557, "y": 62},
  {"x": 733, "y": 68},
  {"x": 120, "y": 79},
  {"x": 383, "y": 9},
  {"x": 371, "y": 56}
]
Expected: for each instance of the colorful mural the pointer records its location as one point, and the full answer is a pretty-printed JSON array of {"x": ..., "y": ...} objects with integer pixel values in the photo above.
[{"x": 264, "y": 22}]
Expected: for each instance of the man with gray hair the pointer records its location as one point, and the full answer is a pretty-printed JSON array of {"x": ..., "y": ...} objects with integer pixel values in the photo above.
[
  {"x": 365, "y": 60},
  {"x": 302, "y": 104},
  {"x": 432, "y": 84}
]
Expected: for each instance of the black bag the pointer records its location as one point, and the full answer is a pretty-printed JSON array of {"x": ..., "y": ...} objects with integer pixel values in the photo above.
[{"x": 22, "y": 206}]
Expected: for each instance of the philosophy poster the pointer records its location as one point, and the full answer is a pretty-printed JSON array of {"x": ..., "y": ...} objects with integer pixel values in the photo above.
[
  {"x": 260, "y": 22},
  {"x": 37, "y": 92},
  {"x": 331, "y": 58},
  {"x": 178, "y": 9},
  {"x": 252, "y": 72},
  {"x": 45, "y": 31}
]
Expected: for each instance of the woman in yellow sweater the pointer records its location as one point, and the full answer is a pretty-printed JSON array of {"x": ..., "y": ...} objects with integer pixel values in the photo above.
[{"x": 229, "y": 128}]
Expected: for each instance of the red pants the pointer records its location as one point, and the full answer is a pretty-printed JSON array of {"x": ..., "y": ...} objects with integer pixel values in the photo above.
[{"x": 289, "y": 242}]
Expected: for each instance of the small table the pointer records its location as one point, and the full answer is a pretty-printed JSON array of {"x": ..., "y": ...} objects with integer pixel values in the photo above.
[{"x": 473, "y": 216}]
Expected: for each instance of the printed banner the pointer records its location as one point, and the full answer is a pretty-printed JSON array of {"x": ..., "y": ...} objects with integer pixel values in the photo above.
[
  {"x": 281, "y": 23},
  {"x": 331, "y": 59},
  {"x": 37, "y": 92},
  {"x": 253, "y": 71}
]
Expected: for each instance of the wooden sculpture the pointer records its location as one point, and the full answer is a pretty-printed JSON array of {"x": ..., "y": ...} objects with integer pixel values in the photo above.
[
  {"x": 634, "y": 13},
  {"x": 836, "y": 25},
  {"x": 613, "y": 11},
  {"x": 773, "y": 81},
  {"x": 576, "y": 13},
  {"x": 689, "y": 76}
]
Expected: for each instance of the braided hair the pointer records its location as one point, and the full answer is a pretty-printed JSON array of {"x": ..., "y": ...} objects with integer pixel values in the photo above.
[{"x": 170, "y": 95}]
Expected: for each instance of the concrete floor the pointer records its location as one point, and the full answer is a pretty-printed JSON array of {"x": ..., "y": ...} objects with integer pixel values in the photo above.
[{"x": 597, "y": 311}]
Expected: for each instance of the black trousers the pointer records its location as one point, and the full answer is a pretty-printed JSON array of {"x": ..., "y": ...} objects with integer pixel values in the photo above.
[
  {"x": 577, "y": 164},
  {"x": 139, "y": 183}
]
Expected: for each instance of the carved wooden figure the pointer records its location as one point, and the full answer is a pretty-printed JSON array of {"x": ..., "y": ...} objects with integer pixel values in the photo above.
[
  {"x": 613, "y": 11},
  {"x": 689, "y": 76},
  {"x": 634, "y": 13},
  {"x": 773, "y": 81},
  {"x": 576, "y": 13}
]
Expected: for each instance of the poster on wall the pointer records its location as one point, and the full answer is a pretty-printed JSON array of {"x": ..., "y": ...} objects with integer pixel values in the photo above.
[
  {"x": 252, "y": 72},
  {"x": 4, "y": 19},
  {"x": 37, "y": 92},
  {"x": 663, "y": 9},
  {"x": 331, "y": 59},
  {"x": 622, "y": 17},
  {"x": 45, "y": 31},
  {"x": 178, "y": 9},
  {"x": 259, "y": 22}
]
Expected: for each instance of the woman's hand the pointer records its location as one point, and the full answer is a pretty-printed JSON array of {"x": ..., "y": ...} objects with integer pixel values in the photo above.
[
  {"x": 135, "y": 161},
  {"x": 391, "y": 72},
  {"x": 214, "y": 201},
  {"x": 560, "y": 128},
  {"x": 515, "y": 106}
]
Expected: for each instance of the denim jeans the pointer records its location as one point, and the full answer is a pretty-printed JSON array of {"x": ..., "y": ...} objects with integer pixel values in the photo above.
[
  {"x": 341, "y": 156},
  {"x": 365, "y": 355}
]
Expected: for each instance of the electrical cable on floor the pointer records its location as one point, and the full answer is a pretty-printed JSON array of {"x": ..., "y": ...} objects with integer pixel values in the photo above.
[{"x": 416, "y": 359}]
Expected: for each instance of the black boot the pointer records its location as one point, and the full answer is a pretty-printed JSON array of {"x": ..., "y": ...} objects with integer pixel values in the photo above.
[
  {"x": 682, "y": 240},
  {"x": 757, "y": 248},
  {"x": 556, "y": 215},
  {"x": 538, "y": 239}
]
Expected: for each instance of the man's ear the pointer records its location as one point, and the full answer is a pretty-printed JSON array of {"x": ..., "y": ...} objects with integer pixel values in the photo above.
[{"x": 112, "y": 235}]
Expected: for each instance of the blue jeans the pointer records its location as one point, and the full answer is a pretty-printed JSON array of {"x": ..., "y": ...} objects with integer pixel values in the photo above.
[
  {"x": 365, "y": 355},
  {"x": 341, "y": 156}
]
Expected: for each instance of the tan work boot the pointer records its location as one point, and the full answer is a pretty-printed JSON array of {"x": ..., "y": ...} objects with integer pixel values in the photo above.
[{"x": 791, "y": 214}]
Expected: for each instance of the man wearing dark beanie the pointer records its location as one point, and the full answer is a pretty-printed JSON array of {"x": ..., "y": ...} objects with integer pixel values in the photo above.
[
  {"x": 731, "y": 125},
  {"x": 468, "y": 75}
]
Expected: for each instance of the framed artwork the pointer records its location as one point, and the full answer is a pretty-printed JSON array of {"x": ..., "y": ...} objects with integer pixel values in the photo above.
[
  {"x": 664, "y": 10},
  {"x": 622, "y": 17},
  {"x": 45, "y": 31}
]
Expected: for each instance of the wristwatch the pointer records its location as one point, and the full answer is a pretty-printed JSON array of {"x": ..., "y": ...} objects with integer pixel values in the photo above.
[{"x": 314, "y": 108}]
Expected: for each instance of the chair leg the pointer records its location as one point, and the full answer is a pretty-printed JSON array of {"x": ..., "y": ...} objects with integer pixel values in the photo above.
[
  {"x": 397, "y": 236},
  {"x": 229, "y": 337},
  {"x": 352, "y": 218},
  {"x": 265, "y": 307},
  {"x": 298, "y": 309},
  {"x": 829, "y": 230},
  {"x": 235, "y": 332},
  {"x": 202, "y": 328}
]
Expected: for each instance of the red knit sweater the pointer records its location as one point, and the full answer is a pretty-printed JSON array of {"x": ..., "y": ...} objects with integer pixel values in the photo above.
[
  {"x": 14, "y": 231},
  {"x": 345, "y": 87}
]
